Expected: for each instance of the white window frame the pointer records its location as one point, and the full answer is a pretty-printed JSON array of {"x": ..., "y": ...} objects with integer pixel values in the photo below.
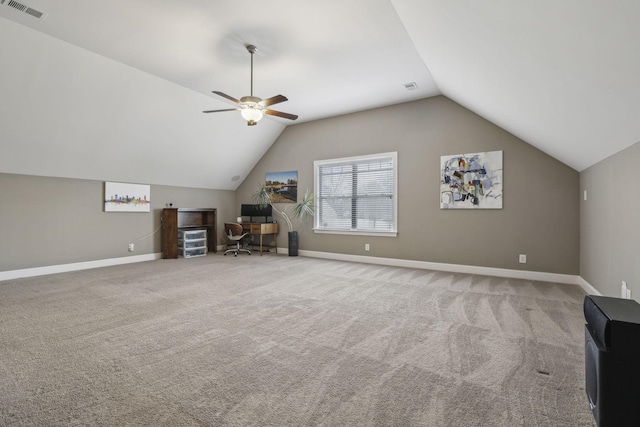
[{"x": 316, "y": 168}]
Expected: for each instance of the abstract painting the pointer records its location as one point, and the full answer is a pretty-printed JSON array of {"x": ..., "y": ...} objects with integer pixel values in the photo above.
[
  {"x": 122, "y": 197},
  {"x": 282, "y": 186},
  {"x": 471, "y": 181}
]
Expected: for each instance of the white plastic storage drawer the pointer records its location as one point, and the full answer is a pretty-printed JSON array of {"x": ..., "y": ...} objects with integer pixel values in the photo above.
[
  {"x": 192, "y": 252},
  {"x": 192, "y": 234},
  {"x": 192, "y": 243}
]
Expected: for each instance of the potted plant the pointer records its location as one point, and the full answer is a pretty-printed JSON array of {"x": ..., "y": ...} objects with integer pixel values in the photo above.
[{"x": 299, "y": 211}]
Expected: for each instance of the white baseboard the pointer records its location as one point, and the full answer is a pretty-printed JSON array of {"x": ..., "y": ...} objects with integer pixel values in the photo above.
[
  {"x": 63, "y": 268},
  {"x": 590, "y": 290},
  {"x": 453, "y": 268}
]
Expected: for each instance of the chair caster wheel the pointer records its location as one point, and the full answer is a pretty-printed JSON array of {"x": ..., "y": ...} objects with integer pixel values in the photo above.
[{"x": 225, "y": 254}]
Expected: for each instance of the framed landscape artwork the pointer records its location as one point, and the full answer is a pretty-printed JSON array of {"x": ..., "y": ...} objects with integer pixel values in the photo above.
[
  {"x": 282, "y": 186},
  {"x": 471, "y": 181},
  {"x": 122, "y": 197}
]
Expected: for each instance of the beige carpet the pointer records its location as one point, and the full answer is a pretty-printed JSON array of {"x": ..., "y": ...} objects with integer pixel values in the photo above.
[{"x": 281, "y": 341}]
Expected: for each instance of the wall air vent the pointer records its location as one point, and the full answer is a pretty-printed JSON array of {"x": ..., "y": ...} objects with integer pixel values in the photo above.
[{"x": 24, "y": 9}]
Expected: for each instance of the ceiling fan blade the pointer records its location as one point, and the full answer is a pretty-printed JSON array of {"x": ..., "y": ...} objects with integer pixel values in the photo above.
[
  {"x": 217, "y": 111},
  {"x": 224, "y": 95},
  {"x": 273, "y": 100},
  {"x": 281, "y": 114}
]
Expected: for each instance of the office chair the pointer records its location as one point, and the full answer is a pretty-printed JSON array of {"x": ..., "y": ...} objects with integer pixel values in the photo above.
[{"x": 234, "y": 234}]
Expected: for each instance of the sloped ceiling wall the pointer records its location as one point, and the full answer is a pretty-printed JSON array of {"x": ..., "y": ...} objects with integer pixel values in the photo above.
[
  {"x": 68, "y": 112},
  {"x": 563, "y": 76},
  {"x": 81, "y": 99}
]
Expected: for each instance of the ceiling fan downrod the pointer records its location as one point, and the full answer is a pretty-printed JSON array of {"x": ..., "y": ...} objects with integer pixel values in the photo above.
[{"x": 252, "y": 49}]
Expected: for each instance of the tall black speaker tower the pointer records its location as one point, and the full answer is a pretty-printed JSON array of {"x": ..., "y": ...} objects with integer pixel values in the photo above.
[{"x": 612, "y": 360}]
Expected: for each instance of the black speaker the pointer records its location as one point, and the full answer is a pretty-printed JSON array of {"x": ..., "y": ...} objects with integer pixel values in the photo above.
[
  {"x": 293, "y": 243},
  {"x": 612, "y": 360}
]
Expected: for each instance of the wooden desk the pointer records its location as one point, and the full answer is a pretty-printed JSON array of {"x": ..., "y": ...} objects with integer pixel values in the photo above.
[{"x": 263, "y": 229}]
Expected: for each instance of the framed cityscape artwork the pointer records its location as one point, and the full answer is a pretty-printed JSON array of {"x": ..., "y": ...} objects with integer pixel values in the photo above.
[{"x": 122, "y": 197}]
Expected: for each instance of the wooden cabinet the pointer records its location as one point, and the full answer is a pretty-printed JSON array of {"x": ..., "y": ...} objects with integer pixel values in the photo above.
[{"x": 176, "y": 219}]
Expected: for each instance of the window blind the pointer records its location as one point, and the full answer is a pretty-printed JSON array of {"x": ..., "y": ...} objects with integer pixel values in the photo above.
[{"x": 357, "y": 194}]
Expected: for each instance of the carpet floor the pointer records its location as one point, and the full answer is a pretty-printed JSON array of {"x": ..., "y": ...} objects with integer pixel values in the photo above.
[{"x": 282, "y": 341}]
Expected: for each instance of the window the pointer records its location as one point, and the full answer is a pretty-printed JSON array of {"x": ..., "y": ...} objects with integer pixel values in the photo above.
[{"x": 357, "y": 195}]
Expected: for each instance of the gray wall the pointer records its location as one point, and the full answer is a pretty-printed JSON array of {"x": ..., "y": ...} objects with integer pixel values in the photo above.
[
  {"x": 540, "y": 217},
  {"x": 51, "y": 221},
  {"x": 609, "y": 229}
]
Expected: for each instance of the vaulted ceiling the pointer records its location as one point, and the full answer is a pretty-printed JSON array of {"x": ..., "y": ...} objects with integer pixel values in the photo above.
[{"x": 114, "y": 90}]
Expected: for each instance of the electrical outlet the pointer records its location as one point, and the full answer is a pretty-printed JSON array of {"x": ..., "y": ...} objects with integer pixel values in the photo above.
[
  {"x": 522, "y": 259},
  {"x": 367, "y": 247},
  {"x": 131, "y": 247}
]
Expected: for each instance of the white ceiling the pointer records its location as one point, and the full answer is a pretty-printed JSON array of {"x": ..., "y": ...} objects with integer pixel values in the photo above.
[{"x": 561, "y": 75}]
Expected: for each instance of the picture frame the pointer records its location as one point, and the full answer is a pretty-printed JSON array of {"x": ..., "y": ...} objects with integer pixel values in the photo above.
[
  {"x": 471, "y": 181},
  {"x": 282, "y": 187},
  {"x": 124, "y": 197}
]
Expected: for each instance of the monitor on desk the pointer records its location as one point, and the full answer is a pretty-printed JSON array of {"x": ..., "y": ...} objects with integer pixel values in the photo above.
[{"x": 256, "y": 211}]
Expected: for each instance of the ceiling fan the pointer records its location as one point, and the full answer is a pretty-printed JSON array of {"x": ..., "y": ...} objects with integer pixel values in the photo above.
[{"x": 251, "y": 107}]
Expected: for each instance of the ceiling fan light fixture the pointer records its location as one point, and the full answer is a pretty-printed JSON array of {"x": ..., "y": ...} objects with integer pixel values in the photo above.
[{"x": 251, "y": 113}]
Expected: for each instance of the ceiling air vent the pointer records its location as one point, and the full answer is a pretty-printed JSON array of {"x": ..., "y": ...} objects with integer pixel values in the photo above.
[
  {"x": 411, "y": 86},
  {"x": 24, "y": 9}
]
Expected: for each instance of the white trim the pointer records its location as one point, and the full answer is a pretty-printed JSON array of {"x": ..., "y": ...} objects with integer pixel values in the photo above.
[
  {"x": 64, "y": 268},
  {"x": 453, "y": 268},
  {"x": 590, "y": 290},
  {"x": 356, "y": 233}
]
